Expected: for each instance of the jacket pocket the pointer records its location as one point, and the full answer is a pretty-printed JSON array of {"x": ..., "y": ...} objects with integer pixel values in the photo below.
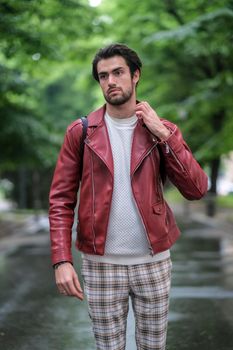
[
  {"x": 158, "y": 208},
  {"x": 160, "y": 219}
]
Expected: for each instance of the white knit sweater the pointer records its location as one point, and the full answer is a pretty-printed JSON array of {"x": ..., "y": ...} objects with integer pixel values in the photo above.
[{"x": 127, "y": 241}]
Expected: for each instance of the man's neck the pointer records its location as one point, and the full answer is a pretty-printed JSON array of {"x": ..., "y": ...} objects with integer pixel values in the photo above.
[{"x": 122, "y": 111}]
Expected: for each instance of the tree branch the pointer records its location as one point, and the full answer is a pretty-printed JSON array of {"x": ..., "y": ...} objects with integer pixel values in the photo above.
[{"x": 172, "y": 10}]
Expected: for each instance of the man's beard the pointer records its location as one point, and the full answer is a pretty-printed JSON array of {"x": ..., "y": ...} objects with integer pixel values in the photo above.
[{"x": 119, "y": 100}]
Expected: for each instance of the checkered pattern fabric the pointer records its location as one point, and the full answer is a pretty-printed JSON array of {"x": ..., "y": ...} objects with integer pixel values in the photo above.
[{"x": 108, "y": 288}]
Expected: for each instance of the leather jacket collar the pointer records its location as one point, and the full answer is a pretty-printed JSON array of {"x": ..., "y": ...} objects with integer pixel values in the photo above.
[{"x": 98, "y": 140}]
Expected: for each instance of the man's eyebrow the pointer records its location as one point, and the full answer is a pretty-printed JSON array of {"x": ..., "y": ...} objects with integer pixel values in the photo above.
[
  {"x": 114, "y": 70},
  {"x": 118, "y": 68},
  {"x": 102, "y": 71}
]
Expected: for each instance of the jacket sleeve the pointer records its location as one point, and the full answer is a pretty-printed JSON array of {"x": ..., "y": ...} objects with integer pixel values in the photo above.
[
  {"x": 181, "y": 167},
  {"x": 63, "y": 195}
]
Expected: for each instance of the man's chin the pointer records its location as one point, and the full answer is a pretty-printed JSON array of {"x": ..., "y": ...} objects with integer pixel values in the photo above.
[{"x": 116, "y": 101}]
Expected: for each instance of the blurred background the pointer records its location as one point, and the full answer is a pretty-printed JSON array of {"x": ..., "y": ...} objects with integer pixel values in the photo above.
[
  {"x": 45, "y": 72},
  {"x": 46, "y": 50}
]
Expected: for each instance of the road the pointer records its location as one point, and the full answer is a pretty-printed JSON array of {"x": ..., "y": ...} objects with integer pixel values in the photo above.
[{"x": 34, "y": 316}]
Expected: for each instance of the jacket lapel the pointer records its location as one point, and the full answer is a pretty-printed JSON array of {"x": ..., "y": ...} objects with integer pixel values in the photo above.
[
  {"x": 143, "y": 143},
  {"x": 98, "y": 139}
]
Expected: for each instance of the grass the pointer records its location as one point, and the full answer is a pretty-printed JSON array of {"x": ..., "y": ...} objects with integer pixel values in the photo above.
[
  {"x": 225, "y": 201},
  {"x": 172, "y": 195}
]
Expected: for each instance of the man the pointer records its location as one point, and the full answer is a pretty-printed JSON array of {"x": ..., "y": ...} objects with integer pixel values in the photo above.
[{"x": 125, "y": 227}]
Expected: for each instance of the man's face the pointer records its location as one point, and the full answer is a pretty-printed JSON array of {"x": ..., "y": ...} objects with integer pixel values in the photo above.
[{"x": 115, "y": 80}]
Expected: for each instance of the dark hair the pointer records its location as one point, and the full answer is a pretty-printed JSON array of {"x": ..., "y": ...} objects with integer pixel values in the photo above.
[{"x": 132, "y": 60}]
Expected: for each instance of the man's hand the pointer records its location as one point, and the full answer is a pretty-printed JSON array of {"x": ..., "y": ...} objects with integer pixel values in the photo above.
[
  {"x": 143, "y": 110},
  {"x": 67, "y": 281}
]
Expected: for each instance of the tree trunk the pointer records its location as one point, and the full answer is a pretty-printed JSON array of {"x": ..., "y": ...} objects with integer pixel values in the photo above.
[
  {"x": 36, "y": 192},
  {"x": 212, "y": 193},
  {"x": 22, "y": 187}
]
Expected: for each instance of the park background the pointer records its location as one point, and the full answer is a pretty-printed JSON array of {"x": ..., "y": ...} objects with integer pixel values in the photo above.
[
  {"x": 45, "y": 69},
  {"x": 46, "y": 51}
]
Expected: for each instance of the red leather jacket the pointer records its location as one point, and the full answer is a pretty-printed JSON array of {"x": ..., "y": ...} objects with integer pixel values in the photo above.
[{"x": 151, "y": 162}]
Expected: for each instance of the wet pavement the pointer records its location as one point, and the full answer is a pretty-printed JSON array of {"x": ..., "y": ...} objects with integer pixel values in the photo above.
[
  {"x": 34, "y": 316},
  {"x": 201, "y": 308}
]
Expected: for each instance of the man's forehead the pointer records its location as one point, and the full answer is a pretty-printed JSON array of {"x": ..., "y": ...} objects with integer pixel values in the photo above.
[{"x": 111, "y": 63}]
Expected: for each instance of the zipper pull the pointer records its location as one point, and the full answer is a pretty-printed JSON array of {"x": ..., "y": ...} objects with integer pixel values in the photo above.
[
  {"x": 167, "y": 148},
  {"x": 151, "y": 251}
]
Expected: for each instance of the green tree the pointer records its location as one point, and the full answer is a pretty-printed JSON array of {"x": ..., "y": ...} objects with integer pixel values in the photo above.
[
  {"x": 43, "y": 48},
  {"x": 187, "y": 51}
]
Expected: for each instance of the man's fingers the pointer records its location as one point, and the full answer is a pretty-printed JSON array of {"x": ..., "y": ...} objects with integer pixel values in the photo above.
[
  {"x": 73, "y": 291},
  {"x": 67, "y": 281},
  {"x": 63, "y": 292},
  {"x": 68, "y": 288},
  {"x": 76, "y": 288},
  {"x": 77, "y": 284},
  {"x": 142, "y": 106},
  {"x": 62, "y": 288}
]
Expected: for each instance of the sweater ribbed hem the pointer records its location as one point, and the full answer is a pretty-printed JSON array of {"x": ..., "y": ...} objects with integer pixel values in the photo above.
[{"x": 127, "y": 260}]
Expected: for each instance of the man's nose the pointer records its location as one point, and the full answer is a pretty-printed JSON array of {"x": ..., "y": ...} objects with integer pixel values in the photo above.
[{"x": 111, "y": 80}]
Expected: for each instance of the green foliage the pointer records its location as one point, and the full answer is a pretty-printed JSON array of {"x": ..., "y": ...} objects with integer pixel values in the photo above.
[
  {"x": 225, "y": 201},
  {"x": 172, "y": 195},
  {"x": 186, "y": 47},
  {"x": 46, "y": 49},
  {"x": 42, "y": 50}
]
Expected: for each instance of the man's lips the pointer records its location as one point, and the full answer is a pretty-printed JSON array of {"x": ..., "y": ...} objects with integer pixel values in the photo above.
[{"x": 113, "y": 90}]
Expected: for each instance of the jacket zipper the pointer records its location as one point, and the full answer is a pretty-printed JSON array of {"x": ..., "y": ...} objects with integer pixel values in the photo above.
[
  {"x": 93, "y": 203},
  {"x": 150, "y": 150},
  {"x": 160, "y": 189},
  {"x": 150, "y": 247},
  {"x": 148, "y": 240},
  {"x": 169, "y": 150}
]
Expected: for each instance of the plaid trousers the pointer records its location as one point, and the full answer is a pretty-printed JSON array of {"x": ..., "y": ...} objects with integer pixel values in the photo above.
[{"x": 108, "y": 288}]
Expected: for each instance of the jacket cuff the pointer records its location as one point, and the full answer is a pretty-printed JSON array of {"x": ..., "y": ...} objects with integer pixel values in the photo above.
[
  {"x": 55, "y": 266},
  {"x": 59, "y": 256},
  {"x": 175, "y": 142}
]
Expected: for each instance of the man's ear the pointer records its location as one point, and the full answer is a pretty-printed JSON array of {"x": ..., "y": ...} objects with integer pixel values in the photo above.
[{"x": 136, "y": 76}]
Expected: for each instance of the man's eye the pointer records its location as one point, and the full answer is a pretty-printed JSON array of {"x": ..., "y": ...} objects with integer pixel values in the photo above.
[
  {"x": 118, "y": 73},
  {"x": 103, "y": 76}
]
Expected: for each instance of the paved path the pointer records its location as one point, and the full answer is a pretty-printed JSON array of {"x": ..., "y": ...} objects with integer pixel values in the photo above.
[{"x": 34, "y": 316}]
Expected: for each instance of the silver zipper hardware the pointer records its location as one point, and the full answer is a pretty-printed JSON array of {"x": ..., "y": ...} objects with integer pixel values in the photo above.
[
  {"x": 148, "y": 240},
  {"x": 150, "y": 150},
  {"x": 93, "y": 205},
  {"x": 169, "y": 150}
]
